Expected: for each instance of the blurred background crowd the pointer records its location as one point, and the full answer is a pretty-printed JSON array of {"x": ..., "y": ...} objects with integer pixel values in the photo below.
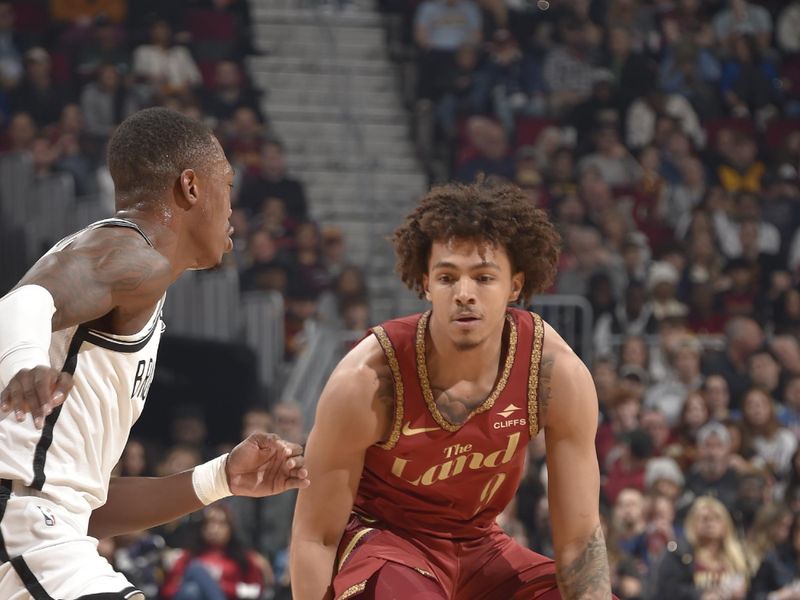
[{"x": 662, "y": 136}]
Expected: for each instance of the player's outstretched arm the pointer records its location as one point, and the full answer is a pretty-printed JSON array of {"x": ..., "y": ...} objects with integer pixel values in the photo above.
[
  {"x": 349, "y": 420},
  {"x": 568, "y": 409},
  {"x": 100, "y": 271},
  {"x": 261, "y": 465}
]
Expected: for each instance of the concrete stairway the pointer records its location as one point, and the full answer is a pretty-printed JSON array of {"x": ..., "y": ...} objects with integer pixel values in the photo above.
[{"x": 333, "y": 98}]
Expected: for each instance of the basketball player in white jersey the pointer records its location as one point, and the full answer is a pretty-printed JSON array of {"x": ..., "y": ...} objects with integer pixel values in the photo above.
[{"x": 78, "y": 341}]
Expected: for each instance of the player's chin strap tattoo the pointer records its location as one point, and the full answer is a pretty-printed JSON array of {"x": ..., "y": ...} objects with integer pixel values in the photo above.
[{"x": 586, "y": 577}]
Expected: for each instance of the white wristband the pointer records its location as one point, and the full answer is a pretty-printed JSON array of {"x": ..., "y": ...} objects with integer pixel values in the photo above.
[{"x": 210, "y": 481}]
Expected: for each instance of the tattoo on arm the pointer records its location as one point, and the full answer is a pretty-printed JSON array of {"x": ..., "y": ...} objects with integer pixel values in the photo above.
[
  {"x": 84, "y": 282},
  {"x": 587, "y": 576},
  {"x": 545, "y": 390}
]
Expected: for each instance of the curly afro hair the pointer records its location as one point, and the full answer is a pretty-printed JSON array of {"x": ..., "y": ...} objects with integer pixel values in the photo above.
[{"x": 492, "y": 214}]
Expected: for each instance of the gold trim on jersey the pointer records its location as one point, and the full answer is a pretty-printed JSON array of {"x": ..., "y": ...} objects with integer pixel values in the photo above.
[
  {"x": 353, "y": 590},
  {"x": 351, "y": 545},
  {"x": 422, "y": 373},
  {"x": 533, "y": 375},
  {"x": 391, "y": 358}
]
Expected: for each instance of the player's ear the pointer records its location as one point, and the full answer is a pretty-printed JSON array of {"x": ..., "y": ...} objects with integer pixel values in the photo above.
[
  {"x": 188, "y": 193},
  {"x": 517, "y": 283},
  {"x": 425, "y": 288}
]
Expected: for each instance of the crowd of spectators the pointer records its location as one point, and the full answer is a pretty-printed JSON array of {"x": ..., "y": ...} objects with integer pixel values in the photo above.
[{"x": 70, "y": 72}]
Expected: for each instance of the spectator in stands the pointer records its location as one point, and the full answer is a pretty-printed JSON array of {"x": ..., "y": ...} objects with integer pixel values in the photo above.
[
  {"x": 136, "y": 460},
  {"x": 685, "y": 377},
  {"x": 21, "y": 132},
  {"x": 762, "y": 436},
  {"x": 631, "y": 70},
  {"x": 218, "y": 564},
  {"x": 334, "y": 251},
  {"x": 787, "y": 33},
  {"x": 712, "y": 473},
  {"x": 770, "y": 529},
  {"x": 242, "y": 137},
  {"x": 308, "y": 272},
  {"x": 229, "y": 92},
  {"x": 10, "y": 56},
  {"x": 622, "y": 409},
  {"x": 663, "y": 478},
  {"x": 106, "y": 101},
  {"x": 692, "y": 71},
  {"x": 601, "y": 107},
  {"x": 628, "y": 523},
  {"x": 105, "y": 48},
  {"x": 643, "y": 114},
  {"x": 693, "y": 416},
  {"x": 441, "y": 27},
  {"x": 273, "y": 181},
  {"x": 567, "y": 69},
  {"x": 684, "y": 196},
  {"x": 749, "y": 82},
  {"x": 611, "y": 159},
  {"x": 37, "y": 94},
  {"x": 747, "y": 214},
  {"x": 141, "y": 557},
  {"x": 514, "y": 81},
  {"x": 165, "y": 68},
  {"x": 189, "y": 429},
  {"x": 634, "y": 351},
  {"x": 634, "y": 316},
  {"x": 778, "y": 576},
  {"x": 628, "y": 462},
  {"x": 718, "y": 397},
  {"x": 464, "y": 91},
  {"x": 493, "y": 156},
  {"x": 711, "y": 565},
  {"x": 789, "y": 410},
  {"x": 742, "y": 18},
  {"x": 765, "y": 373},
  {"x": 269, "y": 268},
  {"x": 743, "y": 336}
]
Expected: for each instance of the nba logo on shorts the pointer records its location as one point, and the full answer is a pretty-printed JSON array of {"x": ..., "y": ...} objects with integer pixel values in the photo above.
[{"x": 49, "y": 517}]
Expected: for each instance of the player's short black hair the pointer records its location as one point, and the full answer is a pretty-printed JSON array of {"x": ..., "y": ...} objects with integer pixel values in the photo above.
[{"x": 150, "y": 149}]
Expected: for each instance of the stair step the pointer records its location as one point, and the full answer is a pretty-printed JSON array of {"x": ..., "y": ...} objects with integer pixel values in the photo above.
[
  {"x": 369, "y": 65},
  {"x": 363, "y": 82},
  {"x": 282, "y": 12}
]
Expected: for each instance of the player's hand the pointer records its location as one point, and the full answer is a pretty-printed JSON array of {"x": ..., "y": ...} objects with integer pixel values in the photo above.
[
  {"x": 264, "y": 465},
  {"x": 37, "y": 391}
]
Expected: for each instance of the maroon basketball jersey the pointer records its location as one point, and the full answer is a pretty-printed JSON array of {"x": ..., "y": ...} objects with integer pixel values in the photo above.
[{"x": 447, "y": 480}]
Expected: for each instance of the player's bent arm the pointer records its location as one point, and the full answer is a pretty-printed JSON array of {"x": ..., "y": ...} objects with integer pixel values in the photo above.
[
  {"x": 101, "y": 270},
  {"x": 261, "y": 465},
  {"x": 573, "y": 476},
  {"x": 350, "y": 418}
]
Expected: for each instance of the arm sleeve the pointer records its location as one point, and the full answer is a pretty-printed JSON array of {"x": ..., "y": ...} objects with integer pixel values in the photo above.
[{"x": 26, "y": 316}]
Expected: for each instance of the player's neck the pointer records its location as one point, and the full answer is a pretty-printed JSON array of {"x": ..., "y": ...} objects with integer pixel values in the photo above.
[
  {"x": 449, "y": 364},
  {"x": 158, "y": 230}
]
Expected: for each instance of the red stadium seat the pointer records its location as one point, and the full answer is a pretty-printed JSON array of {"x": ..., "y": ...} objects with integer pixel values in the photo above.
[
  {"x": 714, "y": 126},
  {"x": 529, "y": 128},
  {"x": 777, "y": 130},
  {"x": 211, "y": 25}
]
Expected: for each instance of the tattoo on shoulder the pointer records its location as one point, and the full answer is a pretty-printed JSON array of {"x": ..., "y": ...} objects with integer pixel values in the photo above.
[
  {"x": 587, "y": 577},
  {"x": 545, "y": 386}
]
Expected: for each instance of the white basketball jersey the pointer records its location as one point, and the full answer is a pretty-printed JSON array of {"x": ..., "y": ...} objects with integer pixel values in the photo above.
[{"x": 70, "y": 459}]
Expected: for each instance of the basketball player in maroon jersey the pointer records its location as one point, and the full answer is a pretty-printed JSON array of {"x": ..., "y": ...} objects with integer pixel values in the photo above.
[{"x": 420, "y": 434}]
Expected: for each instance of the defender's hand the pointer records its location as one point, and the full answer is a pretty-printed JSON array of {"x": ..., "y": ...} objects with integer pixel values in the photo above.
[
  {"x": 37, "y": 391},
  {"x": 264, "y": 465}
]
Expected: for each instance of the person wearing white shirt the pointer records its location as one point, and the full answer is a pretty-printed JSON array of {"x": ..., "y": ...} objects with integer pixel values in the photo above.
[{"x": 166, "y": 67}]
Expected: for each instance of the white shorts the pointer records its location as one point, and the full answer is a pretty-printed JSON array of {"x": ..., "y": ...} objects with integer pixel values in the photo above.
[{"x": 46, "y": 555}]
